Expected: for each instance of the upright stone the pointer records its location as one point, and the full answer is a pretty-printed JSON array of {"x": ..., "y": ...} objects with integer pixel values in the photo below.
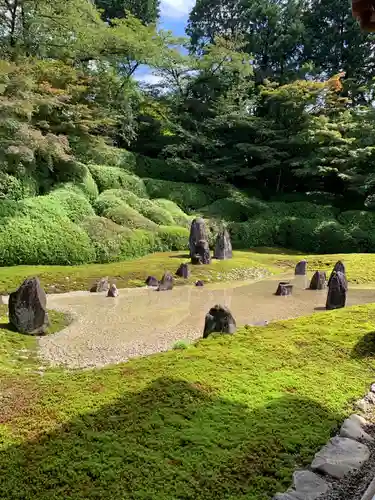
[
  {"x": 198, "y": 232},
  {"x": 337, "y": 289},
  {"x": 318, "y": 281},
  {"x": 339, "y": 267},
  {"x": 301, "y": 268},
  {"x": 284, "y": 289},
  {"x": 220, "y": 320},
  {"x": 183, "y": 271},
  {"x": 27, "y": 308},
  {"x": 199, "y": 283},
  {"x": 113, "y": 292},
  {"x": 152, "y": 281},
  {"x": 166, "y": 282},
  {"x": 223, "y": 247},
  {"x": 202, "y": 253},
  {"x": 101, "y": 285}
]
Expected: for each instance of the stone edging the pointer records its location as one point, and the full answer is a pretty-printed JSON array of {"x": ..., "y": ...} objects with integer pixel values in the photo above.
[{"x": 343, "y": 454}]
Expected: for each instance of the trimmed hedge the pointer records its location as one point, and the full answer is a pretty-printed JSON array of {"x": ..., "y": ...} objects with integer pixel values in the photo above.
[
  {"x": 116, "y": 178},
  {"x": 74, "y": 203},
  {"x": 238, "y": 208},
  {"x": 259, "y": 232},
  {"x": 187, "y": 196},
  {"x": 13, "y": 188},
  {"x": 144, "y": 206},
  {"x": 302, "y": 209},
  {"x": 173, "y": 238},
  {"x": 178, "y": 215},
  {"x": 43, "y": 240},
  {"x": 357, "y": 218}
]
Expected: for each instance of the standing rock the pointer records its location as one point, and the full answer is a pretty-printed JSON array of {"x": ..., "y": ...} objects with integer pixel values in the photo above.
[
  {"x": 113, "y": 292},
  {"x": 166, "y": 282},
  {"x": 318, "y": 281},
  {"x": 339, "y": 267},
  {"x": 284, "y": 289},
  {"x": 199, "y": 283},
  {"x": 27, "y": 308},
  {"x": 198, "y": 232},
  {"x": 202, "y": 253},
  {"x": 152, "y": 281},
  {"x": 223, "y": 247},
  {"x": 301, "y": 268},
  {"x": 337, "y": 288},
  {"x": 219, "y": 319},
  {"x": 101, "y": 285},
  {"x": 183, "y": 271}
]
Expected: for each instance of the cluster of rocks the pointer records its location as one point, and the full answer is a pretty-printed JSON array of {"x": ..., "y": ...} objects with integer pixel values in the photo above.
[
  {"x": 102, "y": 285},
  {"x": 337, "y": 284},
  {"x": 344, "y": 454},
  {"x": 219, "y": 319},
  {"x": 167, "y": 281},
  {"x": 199, "y": 248}
]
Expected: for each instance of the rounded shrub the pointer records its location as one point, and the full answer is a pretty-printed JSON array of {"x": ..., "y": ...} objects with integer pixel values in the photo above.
[
  {"x": 144, "y": 206},
  {"x": 13, "y": 188},
  {"x": 187, "y": 196},
  {"x": 179, "y": 216},
  {"x": 358, "y": 218},
  {"x": 43, "y": 240},
  {"x": 297, "y": 234},
  {"x": 334, "y": 238},
  {"x": 107, "y": 238},
  {"x": 302, "y": 209},
  {"x": 253, "y": 233},
  {"x": 238, "y": 208},
  {"x": 73, "y": 202},
  {"x": 173, "y": 238},
  {"x": 139, "y": 244},
  {"x": 88, "y": 185},
  {"x": 116, "y": 178}
]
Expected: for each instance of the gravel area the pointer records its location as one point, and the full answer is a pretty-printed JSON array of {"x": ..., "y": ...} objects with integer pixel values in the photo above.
[
  {"x": 142, "y": 321},
  {"x": 354, "y": 485}
]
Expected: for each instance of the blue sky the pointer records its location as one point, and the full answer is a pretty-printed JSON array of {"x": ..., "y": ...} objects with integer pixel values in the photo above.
[{"x": 174, "y": 16}]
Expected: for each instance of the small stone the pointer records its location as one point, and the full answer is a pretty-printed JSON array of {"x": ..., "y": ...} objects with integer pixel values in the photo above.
[
  {"x": 372, "y": 387},
  {"x": 362, "y": 405},
  {"x": 219, "y": 320},
  {"x": 340, "y": 456},
  {"x": 318, "y": 281},
  {"x": 353, "y": 430},
  {"x": 152, "y": 281},
  {"x": 101, "y": 285},
  {"x": 370, "y": 398},
  {"x": 166, "y": 282},
  {"x": 307, "y": 485},
  {"x": 359, "y": 420},
  {"x": 284, "y": 289},
  {"x": 301, "y": 268},
  {"x": 199, "y": 283},
  {"x": 113, "y": 292},
  {"x": 183, "y": 271}
]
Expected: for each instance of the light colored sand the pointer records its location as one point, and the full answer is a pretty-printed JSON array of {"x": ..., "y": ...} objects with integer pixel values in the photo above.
[{"x": 141, "y": 321}]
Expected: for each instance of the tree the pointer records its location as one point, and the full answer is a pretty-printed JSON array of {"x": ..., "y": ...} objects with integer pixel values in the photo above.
[{"x": 145, "y": 10}]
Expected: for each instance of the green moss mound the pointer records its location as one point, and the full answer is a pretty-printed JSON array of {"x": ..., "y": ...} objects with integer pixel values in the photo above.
[
  {"x": 146, "y": 207},
  {"x": 179, "y": 216},
  {"x": 187, "y": 196},
  {"x": 75, "y": 204},
  {"x": 116, "y": 178}
]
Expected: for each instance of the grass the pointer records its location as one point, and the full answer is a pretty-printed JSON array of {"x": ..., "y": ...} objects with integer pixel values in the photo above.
[
  {"x": 229, "y": 417},
  {"x": 360, "y": 269}
]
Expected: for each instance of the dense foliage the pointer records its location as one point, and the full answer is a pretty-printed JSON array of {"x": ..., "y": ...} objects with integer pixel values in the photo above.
[{"x": 265, "y": 124}]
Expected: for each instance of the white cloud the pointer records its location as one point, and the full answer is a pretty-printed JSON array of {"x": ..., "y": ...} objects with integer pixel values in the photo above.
[
  {"x": 176, "y": 8},
  {"x": 149, "y": 78}
]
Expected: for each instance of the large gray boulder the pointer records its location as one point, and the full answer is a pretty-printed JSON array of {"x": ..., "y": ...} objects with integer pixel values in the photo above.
[
  {"x": 306, "y": 486},
  {"x": 223, "y": 247},
  {"x": 340, "y": 456},
  {"x": 183, "y": 271},
  {"x": 219, "y": 319},
  {"x": 337, "y": 289},
  {"x": 202, "y": 253},
  {"x": 198, "y": 232},
  {"x": 28, "y": 308}
]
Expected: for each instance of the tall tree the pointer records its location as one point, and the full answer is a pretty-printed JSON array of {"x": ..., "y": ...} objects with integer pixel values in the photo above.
[{"x": 145, "y": 10}]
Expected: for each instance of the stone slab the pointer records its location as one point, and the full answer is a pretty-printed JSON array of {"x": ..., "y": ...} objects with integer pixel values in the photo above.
[
  {"x": 340, "y": 456},
  {"x": 352, "y": 429}
]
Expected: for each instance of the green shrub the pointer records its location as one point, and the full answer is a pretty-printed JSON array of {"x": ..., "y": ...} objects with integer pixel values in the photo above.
[
  {"x": 253, "y": 233},
  {"x": 88, "y": 185},
  {"x": 141, "y": 243},
  {"x": 173, "y": 238},
  {"x": 96, "y": 150},
  {"x": 13, "y": 188},
  {"x": 116, "y": 178},
  {"x": 335, "y": 238},
  {"x": 302, "y": 209},
  {"x": 106, "y": 237},
  {"x": 73, "y": 202},
  {"x": 41, "y": 239},
  {"x": 187, "y": 196},
  {"x": 238, "y": 208},
  {"x": 297, "y": 234},
  {"x": 178, "y": 215},
  {"x": 357, "y": 218},
  {"x": 144, "y": 206}
]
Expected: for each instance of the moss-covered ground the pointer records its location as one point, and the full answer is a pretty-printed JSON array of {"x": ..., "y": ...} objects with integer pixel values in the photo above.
[
  {"x": 228, "y": 418},
  {"x": 360, "y": 269}
]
